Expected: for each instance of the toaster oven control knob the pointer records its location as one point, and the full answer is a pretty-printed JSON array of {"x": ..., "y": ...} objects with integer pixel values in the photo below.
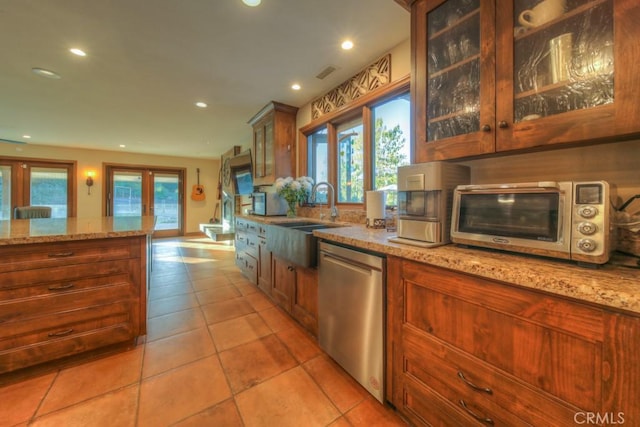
[
  {"x": 588, "y": 211},
  {"x": 587, "y": 228},
  {"x": 586, "y": 245}
]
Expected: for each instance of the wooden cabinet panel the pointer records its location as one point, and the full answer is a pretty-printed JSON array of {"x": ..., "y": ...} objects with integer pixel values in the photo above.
[
  {"x": 282, "y": 286},
  {"x": 63, "y": 298},
  {"x": 264, "y": 266},
  {"x": 305, "y": 298},
  {"x": 516, "y": 356}
]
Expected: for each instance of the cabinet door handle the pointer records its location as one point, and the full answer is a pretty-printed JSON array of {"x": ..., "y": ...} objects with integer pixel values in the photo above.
[
  {"x": 503, "y": 125},
  {"x": 61, "y": 333},
  {"x": 291, "y": 268},
  {"x": 486, "y": 128},
  {"x": 472, "y": 385},
  {"x": 61, "y": 287},
  {"x": 474, "y": 415},
  {"x": 61, "y": 254}
]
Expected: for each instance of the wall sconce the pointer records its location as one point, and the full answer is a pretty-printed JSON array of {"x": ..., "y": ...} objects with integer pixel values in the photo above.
[{"x": 90, "y": 176}]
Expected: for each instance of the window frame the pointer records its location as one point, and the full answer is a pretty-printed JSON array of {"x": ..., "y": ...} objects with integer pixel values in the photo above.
[{"x": 361, "y": 107}]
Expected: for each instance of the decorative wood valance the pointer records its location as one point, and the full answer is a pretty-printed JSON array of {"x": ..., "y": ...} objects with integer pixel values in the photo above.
[{"x": 374, "y": 76}]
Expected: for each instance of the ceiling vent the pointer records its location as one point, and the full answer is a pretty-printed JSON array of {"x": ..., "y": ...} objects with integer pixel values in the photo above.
[{"x": 324, "y": 73}]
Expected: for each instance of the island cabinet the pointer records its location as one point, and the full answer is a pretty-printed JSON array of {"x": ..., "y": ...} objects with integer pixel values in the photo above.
[
  {"x": 295, "y": 289},
  {"x": 59, "y": 299},
  {"x": 274, "y": 140},
  {"x": 466, "y": 351},
  {"x": 504, "y": 75},
  {"x": 264, "y": 261}
]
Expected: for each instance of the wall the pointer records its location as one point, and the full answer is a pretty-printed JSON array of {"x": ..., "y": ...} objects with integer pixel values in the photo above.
[
  {"x": 91, "y": 205},
  {"x": 618, "y": 163}
]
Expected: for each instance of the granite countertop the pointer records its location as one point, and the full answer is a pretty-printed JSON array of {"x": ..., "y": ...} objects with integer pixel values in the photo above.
[
  {"x": 610, "y": 285},
  {"x": 45, "y": 230}
]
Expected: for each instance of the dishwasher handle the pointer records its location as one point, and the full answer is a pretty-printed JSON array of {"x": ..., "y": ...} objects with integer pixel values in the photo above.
[
  {"x": 348, "y": 264},
  {"x": 352, "y": 256}
]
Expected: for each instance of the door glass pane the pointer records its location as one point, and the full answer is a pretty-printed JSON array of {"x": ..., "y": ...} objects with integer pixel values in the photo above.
[
  {"x": 49, "y": 188},
  {"x": 5, "y": 192},
  {"x": 563, "y": 57},
  {"x": 350, "y": 163},
  {"x": 318, "y": 160},
  {"x": 127, "y": 193},
  {"x": 392, "y": 145},
  {"x": 453, "y": 55},
  {"x": 166, "y": 205}
]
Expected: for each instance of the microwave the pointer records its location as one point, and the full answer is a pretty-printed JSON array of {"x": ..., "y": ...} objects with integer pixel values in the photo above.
[
  {"x": 566, "y": 220},
  {"x": 268, "y": 204}
]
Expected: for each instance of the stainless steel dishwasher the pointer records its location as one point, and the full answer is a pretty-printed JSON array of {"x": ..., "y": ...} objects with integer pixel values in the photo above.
[{"x": 351, "y": 313}]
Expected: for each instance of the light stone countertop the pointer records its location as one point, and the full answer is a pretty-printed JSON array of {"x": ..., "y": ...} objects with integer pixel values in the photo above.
[
  {"x": 46, "y": 230},
  {"x": 609, "y": 285}
]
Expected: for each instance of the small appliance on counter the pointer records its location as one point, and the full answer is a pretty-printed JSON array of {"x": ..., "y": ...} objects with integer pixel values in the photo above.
[
  {"x": 425, "y": 194},
  {"x": 268, "y": 204},
  {"x": 566, "y": 220}
]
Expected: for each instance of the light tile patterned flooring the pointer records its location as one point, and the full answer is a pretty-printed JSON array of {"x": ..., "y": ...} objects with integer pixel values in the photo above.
[{"x": 217, "y": 353}]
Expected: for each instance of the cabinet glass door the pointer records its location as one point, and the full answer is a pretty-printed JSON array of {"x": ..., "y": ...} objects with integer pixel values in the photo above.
[
  {"x": 453, "y": 70},
  {"x": 563, "y": 56}
]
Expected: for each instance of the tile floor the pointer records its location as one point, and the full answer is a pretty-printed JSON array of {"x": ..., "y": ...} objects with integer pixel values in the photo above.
[{"x": 217, "y": 353}]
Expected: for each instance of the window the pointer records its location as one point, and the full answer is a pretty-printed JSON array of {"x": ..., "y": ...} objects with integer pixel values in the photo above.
[
  {"x": 350, "y": 186},
  {"x": 360, "y": 148},
  {"x": 392, "y": 147},
  {"x": 49, "y": 188}
]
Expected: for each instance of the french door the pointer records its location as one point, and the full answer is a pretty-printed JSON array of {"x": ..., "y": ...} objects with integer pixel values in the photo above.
[
  {"x": 26, "y": 182},
  {"x": 136, "y": 191}
]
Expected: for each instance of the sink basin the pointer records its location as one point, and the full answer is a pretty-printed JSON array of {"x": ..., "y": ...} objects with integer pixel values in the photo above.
[{"x": 296, "y": 243}]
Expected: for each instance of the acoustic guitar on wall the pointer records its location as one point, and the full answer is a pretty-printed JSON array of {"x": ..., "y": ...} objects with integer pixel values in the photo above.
[{"x": 197, "y": 191}]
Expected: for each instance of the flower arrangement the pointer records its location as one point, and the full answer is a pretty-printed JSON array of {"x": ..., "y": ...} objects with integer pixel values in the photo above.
[{"x": 294, "y": 191}]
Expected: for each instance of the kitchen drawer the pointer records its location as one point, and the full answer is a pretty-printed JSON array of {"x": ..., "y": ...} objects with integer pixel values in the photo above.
[
  {"x": 56, "y": 287},
  {"x": 251, "y": 269},
  {"x": 22, "y": 309},
  {"x": 62, "y": 275},
  {"x": 57, "y": 348},
  {"x": 253, "y": 241},
  {"x": 547, "y": 342},
  {"x": 43, "y": 328},
  {"x": 240, "y": 240},
  {"x": 35, "y": 256},
  {"x": 485, "y": 391}
]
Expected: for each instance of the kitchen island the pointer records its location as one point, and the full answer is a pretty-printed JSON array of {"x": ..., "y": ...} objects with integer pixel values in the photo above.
[{"x": 70, "y": 286}]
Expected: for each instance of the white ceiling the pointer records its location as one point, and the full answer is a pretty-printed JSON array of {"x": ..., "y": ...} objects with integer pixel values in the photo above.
[{"x": 149, "y": 61}]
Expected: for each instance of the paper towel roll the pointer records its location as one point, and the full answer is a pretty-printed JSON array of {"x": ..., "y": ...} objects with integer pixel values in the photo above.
[{"x": 376, "y": 202}]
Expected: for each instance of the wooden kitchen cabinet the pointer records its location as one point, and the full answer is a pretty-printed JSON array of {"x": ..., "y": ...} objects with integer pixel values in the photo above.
[
  {"x": 295, "y": 289},
  {"x": 482, "y": 82},
  {"x": 470, "y": 351},
  {"x": 246, "y": 244},
  {"x": 60, "y": 299},
  {"x": 264, "y": 261},
  {"x": 274, "y": 141}
]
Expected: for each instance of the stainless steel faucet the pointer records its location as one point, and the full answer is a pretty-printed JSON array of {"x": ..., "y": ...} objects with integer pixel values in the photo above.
[{"x": 334, "y": 210}]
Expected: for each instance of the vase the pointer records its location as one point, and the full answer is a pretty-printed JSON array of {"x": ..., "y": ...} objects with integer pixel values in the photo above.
[{"x": 291, "y": 211}]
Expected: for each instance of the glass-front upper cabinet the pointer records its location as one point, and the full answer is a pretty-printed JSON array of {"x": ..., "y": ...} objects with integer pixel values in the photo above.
[
  {"x": 563, "y": 57},
  {"x": 453, "y": 55},
  {"x": 504, "y": 75}
]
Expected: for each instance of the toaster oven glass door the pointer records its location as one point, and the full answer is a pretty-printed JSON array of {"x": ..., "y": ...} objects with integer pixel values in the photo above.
[{"x": 533, "y": 216}]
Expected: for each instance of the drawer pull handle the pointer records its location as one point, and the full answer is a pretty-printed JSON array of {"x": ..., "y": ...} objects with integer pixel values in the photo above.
[
  {"x": 477, "y": 417},
  {"x": 61, "y": 287},
  {"x": 61, "y": 254},
  {"x": 472, "y": 385},
  {"x": 61, "y": 333}
]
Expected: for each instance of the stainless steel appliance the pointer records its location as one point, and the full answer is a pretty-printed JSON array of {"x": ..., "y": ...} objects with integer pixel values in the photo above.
[
  {"x": 268, "y": 204},
  {"x": 568, "y": 220},
  {"x": 351, "y": 313},
  {"x": 425, "y": 192}
]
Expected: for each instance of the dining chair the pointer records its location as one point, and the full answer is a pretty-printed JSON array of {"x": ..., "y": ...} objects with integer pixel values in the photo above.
[{"x": 25, "y": 212}]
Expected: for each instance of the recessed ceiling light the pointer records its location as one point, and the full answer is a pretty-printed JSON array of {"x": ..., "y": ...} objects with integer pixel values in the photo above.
[
  {"x": 78, "y": 52},
  {"x": 45, "y": 73},
  {"x": 347, "y": 44},
  {"x": 26, "y": 136},
  {"x": 201, "y": 104},
  {"x": 122, "y": 146},
  {"x": 252, "y": 3},
  {"x": 295, "y": 86}
]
